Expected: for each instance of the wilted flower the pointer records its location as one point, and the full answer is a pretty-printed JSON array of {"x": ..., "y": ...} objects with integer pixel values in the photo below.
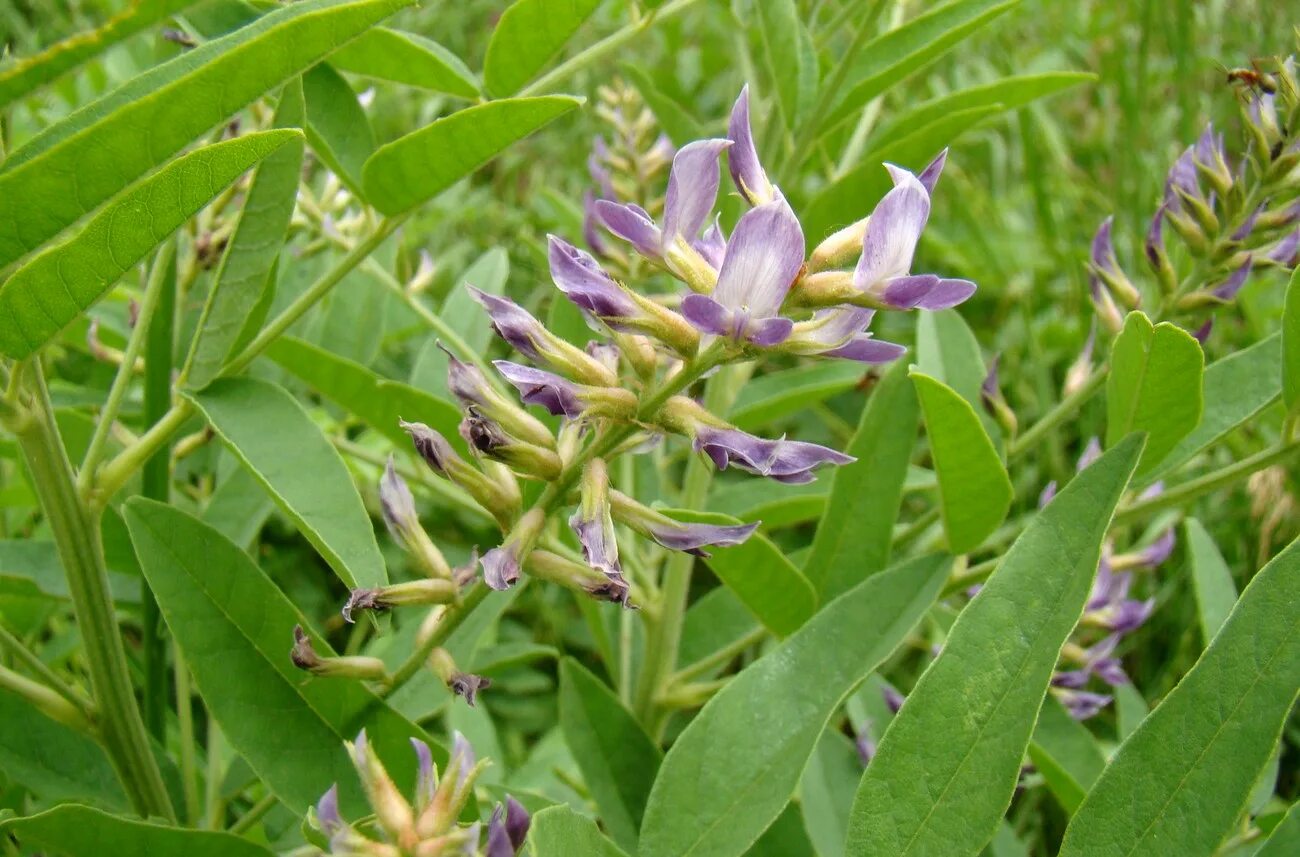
[
  {"x": 502, "y": 565},
  {"x": 676, "y": 535},
  {"x": 403, "y": 523},
  {"x": 788, "y": 461}
]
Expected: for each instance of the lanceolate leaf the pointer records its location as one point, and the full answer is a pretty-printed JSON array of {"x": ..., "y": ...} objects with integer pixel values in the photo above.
[
  {"x": 75, "y": 165},
  {"x": 765, "y": 581},
  {"x": 54, "y": 288},
  {"x": 974, "y": 489},
  {"x": 81, "y": 830},
  {"x": 406, "y": 58},
  {"x": 253, "y": 248},
  {"x": 778, "y": 27},
  {"x": 854, "y": 535},
  {"x": 424, "y": 163},
  {"x": 558, "y": 831},
  {"x": 528, "y": 36},
  {"x": 1180, "y": 782},
  {"x": 52, "y": 760},
  {"x": 1211, "y": 579},
  {"x": 729, "y": 775},
  {"x": 377, "y": 401},
  {"x": 337, "y": 127},
  {"x": 234, "y": 628},
  {"x": 1065, "y": 753},
  {"x": 28, "y": 74},
  {"x": 1285, "y": 838},
  {"x": 949, "y": 763},
  {"x": 891, "y": 57},
  {"x": 1291, "y": 345},
  {"x": 1154, "y": 385},
  {"x": 1236, "y": 389},
  {"x": 284, "y": 449},
  {"x": 618, "y": 760}
]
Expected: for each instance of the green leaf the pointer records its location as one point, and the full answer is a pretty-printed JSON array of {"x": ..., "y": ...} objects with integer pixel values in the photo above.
[
  {"x": 892, "y": 56},
  {"x": 73, "y": 166},
  {"x": 786, "y": 837},
  {"x": 778, "y": 29},
  {"x": 947, "y": 350},
  {"x": 676, "y": 120},
  {"x": 280, "y": 445},
  {"x": 558, "y": 831},
  {"x": 776, "y": 504},
  {"x": 1065, "y": 753},
  {"x": 948, "y": 766},
  {"x": 234, "y": 628},
  {"x": 49, "y": 292},
  {"x": 1211, "y": 579},
  {"x": 1237, "y": 388},
  {"x": 1130, "y": 710},
  {"x": 488, "y": 273},
  {"x": 337, "y": 128},
  {"x": 251, "y": 253},
  {"x": 777, "y": 395},
  {"x": 1008, "y": 93},
  {"x": 1291, "y": 345},
  {"x": 733, "y": 769},
  {"x": 80, "y": 831},
  {"x": 1154, "y": 386},
  {"x": 845, "y": 200},
  {"x": 32, "y": 566},
  {"x": 408, "y": 58},
  {"x": 617, "y": 758},
  {"x": 1285, "y": 838},
  {"x": 238, "y": 506},
  {"x": 53, "y": 761},
  {"x": 377, "y": 401},
  {"x": 712, "y": 623},
  {"x": 528, "y": 36},
  {"x": 854, "y": 536},
  {"x": 424, "y": 163},
  {"x": 1179, "y": 784},
  {"x": 974, "y": 489},
  {"x": 826, "y": 791},
  {"x": 30, "y": 73},
  {"x": 762, "y": 577}
]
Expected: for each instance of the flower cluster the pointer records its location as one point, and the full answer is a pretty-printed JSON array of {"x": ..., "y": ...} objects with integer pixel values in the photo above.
[
  {"x": 428, "y": 827},
  {"x": 745, "y": 296},
  {"x": 1231, "y": 219}
]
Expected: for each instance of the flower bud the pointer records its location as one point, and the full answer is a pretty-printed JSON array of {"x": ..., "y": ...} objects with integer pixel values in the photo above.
[
  {"x": 471, "y": 386},
  {"x": 995, "y": 403},
  {"x": 1105, "y": 266},
  {"x": 460, "y": 683},
  {"x": 527, "y": 336},
  {"x": 565, "y": 398},
  {"x": 691, "y": 538},
  {"x": 579, "y": 577},
  {"x": 304, "y": 657},
  {"x": 501, "y": 565},
  {"x": 840, "y": 248},
  {"x": 489, "y": 438},
  {"x": 1081, "y": 369},
  {"x": 498, "y": 493},
  {"x": 404, "y": 524},
  {"x": 392, "y": 811},
  {"x": 594, "y": 526},
  {"x": 452, "y": 791},
  {"x": 742, "y": 158},
  {"x": 424, "y": 274},
  {"x": 427, "y": 591}
]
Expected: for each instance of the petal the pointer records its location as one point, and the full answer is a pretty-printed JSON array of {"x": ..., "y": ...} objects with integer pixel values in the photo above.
[
  {"x": 517, "y": 822},
  {"x": 712, "y": 245},
  {"x": 425, "y": 780},
  {"x": 833, "y": 327},
  {"x": 632, "y": 224},
  {"x": 742, "y": 159},
  {"x": 1227, "y": 290},
  {"x": 692, "y": 537},
  {"x": 692, "y": 189},
  {"x": 764, "y": 256},
  {"x": 866, "y": 349},
  {"x": 892, "y": 232},
  {"x": 766, "y": 332},
  {"x": 929, "y": 176},
  {"x": 500, "y": 568},
  {"x": 327, "y": 811},
  {"x": 512, "y": 322},
  {"x": 1102, "y": 253},
  {"x": 908, "y": 292},
  {"x": 579, "y": 276},
  {"x": 538, "y": 387},
  {"x": 707, "y": 315},
  {"x": 946, "y": 293}
]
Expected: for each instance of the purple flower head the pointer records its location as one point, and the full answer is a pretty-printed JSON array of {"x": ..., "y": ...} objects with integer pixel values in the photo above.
[
  {"x": 327, "y": 812},
  {"x": 693, "y": 538},
  {"x": 1248, "y": 225},
  {"x": 1073, "y": 679},
  {"x": 1083, "y": 704},
  {"x": 762, "y": 261},
  {"x": 889, "y": 245},
  {"x": 840, "y": 332},
  {"x": 507, "y": 829},
  {"x": 512, "y": 323},
  {"x": 599, "y": 547},
  {"x": 692, "y": 190},
  {"x": 1158, "y": 551},
  {"x": 1284, "y": 251},
  {"x": 466, "y": 381},
  {"x": 501, "y": 566},
  {"x": 787, "y": 461},
  {"x": 1202, "y": 333},
  {"x": 467, "y": 685},
  {"x": 742, "y": 160},
  {"x": 929, "y": 176},
  {"x": 537, "y": 387},
  {"x": 1182, "y": 177},
  {"x": 1103, "y": 248},
  {"x": 586, "y": 284},
  {"x": 1228, "y": 289}
]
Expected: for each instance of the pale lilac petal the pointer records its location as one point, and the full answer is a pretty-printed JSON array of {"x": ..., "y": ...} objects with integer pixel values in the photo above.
[
  {"x": 742, "y": 159},
  {"x": 327, "y": 811},
  {"x": 1103, "y": 247},
  {"x": 766, "y": 332},
  {"x": 1084, "y": 704},
  {"x": 707, "y": 315},
  {"x": 538, "y": 387},
  {"x": 867, "y": 349},
  {"x": 1228, "y": 289},
  {"x": 1155, "y": 240},
  {"x": 579, "y": 276},
  {"x": 784, "y": 460},
  {"x": 1158, "y": 551},
  {"x": 712, "y": 245},
  {"x": 425, "y": 779},
  {"x": 1284, "y": 251},
  {"x": 692, "y": 189},
  {"x": 633, "y": 225},
  {"x": 501, "y": 567},
  {"x": 1048, "y": 494},
  {"x": 512, "y": 322},
  {"x": 892, "y": 232},
  {"x": 1091, "y": 452},
  {"x": 764, "y": 256},
  {"x": 946, "y": 293},
  {"x": 908, "y": 292},
  {"x": 599, "y": 548},
  {"x": 517, "y": 822},
  {"x": 692, "y": 538},
  {"x": 929, "y": 176}
]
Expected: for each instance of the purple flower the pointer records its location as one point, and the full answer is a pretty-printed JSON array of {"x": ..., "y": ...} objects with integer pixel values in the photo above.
[
  {"x": 585, "y": 283},
  {"x": 1202, "y": 333},
  {"x": 1284, "y": 251},
  {"x": 501, "y": 566},
  {"x": 865, "y": 745},
  {"x": 712, "y": 245},
  {"x": 1248, "y": 225},
  {"x": 599, "y": 547},
  {"x": 742, "y": 159},
  {"x": 590, "y": 224},
  {"x": 597, "y": 170},
  {"x": 840, "y": 332},
  {"x": 426, "y": 779},
  {"x": 537, "y": 387},
  {"x": 762, "y": 260},
  {"x": 929, "y": 176},
  {"x": 1103, "y": 248},
  {"x": 1158, "y": 551},
  {"x": 1083, "y": 704},
  {"x": 430, "y": 445},
  {"x": 692, "y": 538},
  {"x": 397, "y": 504},
  {"x": 787, "y": 461},
  {"x": 466, "y": 381},
  {"x": 893, "y": 699},
  {"x": 1048, "y": 494},
  {"x": 1181, "y": 181},
  {"x": 1154, "y": 245},
  {"x": 507, "y": 829},
  {"x": 889, "y": 245},
  {"x": 1091, "y": 452},
  {"x": 327, "y": 812},
  {"x": 692, "y": 190},
  {"x": 512, "y": 323},
  {"x": 1228, "y": 289}
]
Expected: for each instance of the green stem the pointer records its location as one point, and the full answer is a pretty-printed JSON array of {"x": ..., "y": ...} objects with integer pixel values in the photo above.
[
  {"x": 255, "y": 814},
  {"x": 450, "y": 621},
  {"x": 39, "y": 668},
  {"x": 606, "y": 46},
  {"x": 46, "y": 700},
  {"x": 214, "y": 804},
  {"x": 1210, "y": 482},
  {"x": 185, "y": 720},
  {"x": 155, "y": 476},
  {"x": 718, "y": 658},
  {"x": 122, "y": 380},
  {"x": 76, "y": 536},
  {"x": 1063, "y": 410}
]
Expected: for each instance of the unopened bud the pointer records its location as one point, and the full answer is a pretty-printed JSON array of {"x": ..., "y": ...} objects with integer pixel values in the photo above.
[
  {"x": 498, "y": 492},
  {"x": 304, "y": 657},
  {"x": 529, "y": 337},
  {"x": 840, "y": 248},
  {"x": 502, "y": 565},
  {"x": 392, "y": 811},
  {"x": 579, "y": 577},
  {"x": 471, "y": 386},
  {"x": 404, "y": 524},
  {"x": 382, "y": 598},
  {"x": 424, "y": 275},
  {"x": 490, "y": 439}
]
